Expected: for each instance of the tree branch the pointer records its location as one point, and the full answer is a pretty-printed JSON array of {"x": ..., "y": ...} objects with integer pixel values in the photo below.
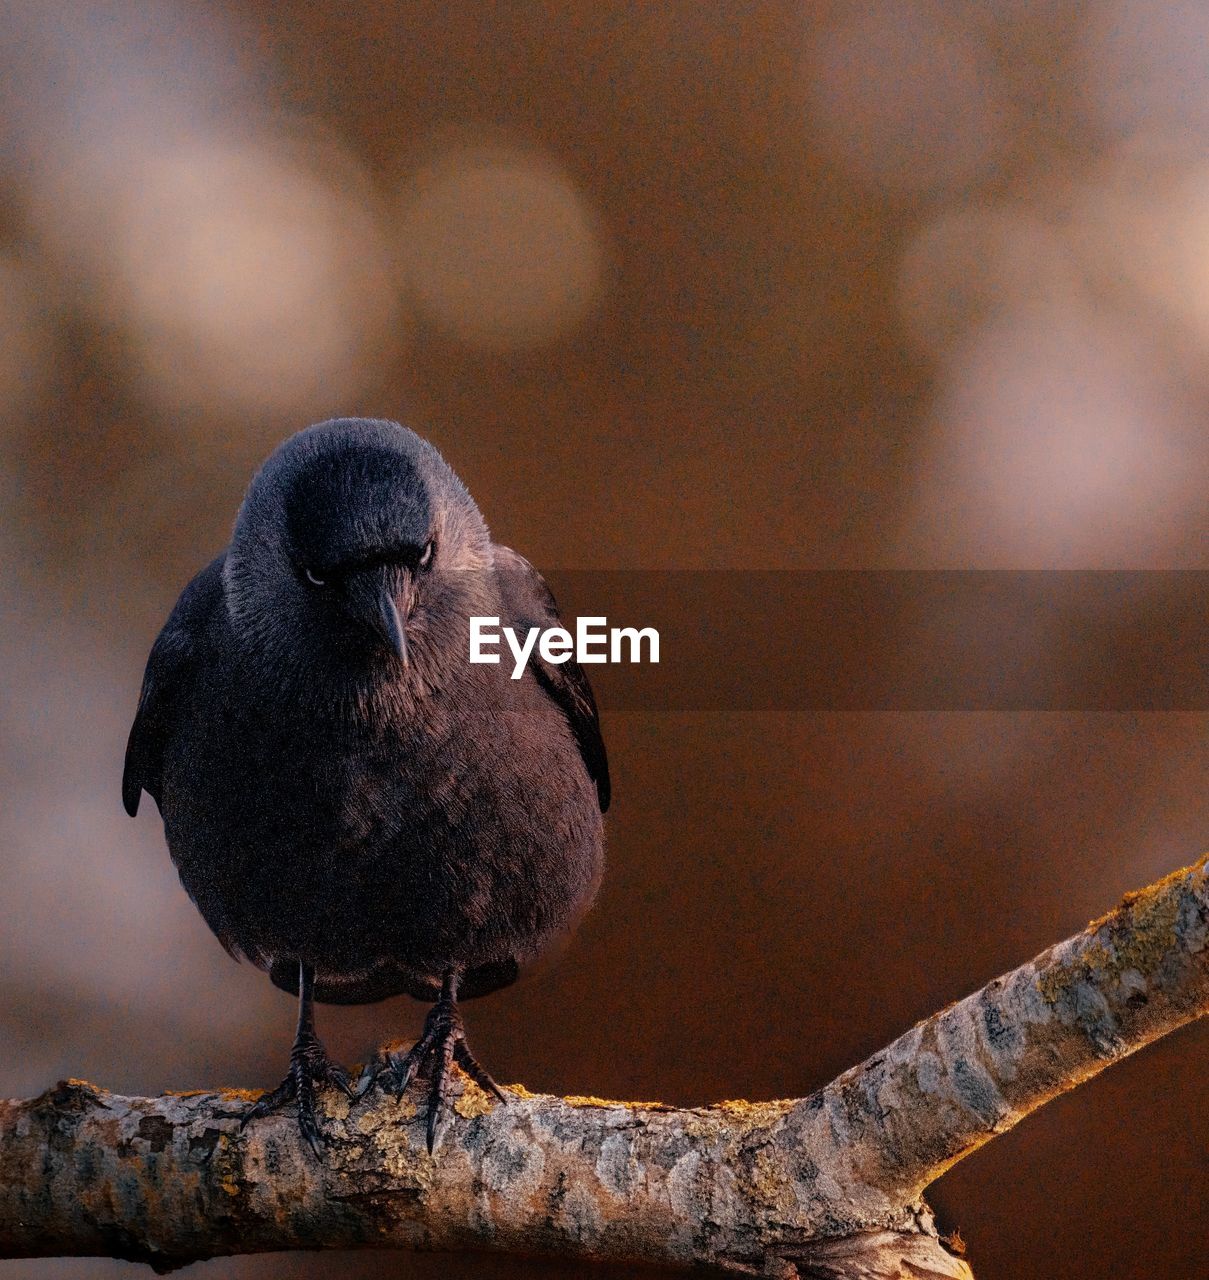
[{"x": 825, "y": 1186}]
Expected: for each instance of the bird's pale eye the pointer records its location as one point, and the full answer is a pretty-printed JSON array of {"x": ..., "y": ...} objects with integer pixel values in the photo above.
[
  {"x": 314, "y": 579},
  {"x": 426, "y": 554}
]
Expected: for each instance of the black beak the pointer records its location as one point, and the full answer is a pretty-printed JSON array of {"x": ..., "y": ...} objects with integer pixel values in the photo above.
[
  {"x": 373, "y": 596},
  {"x": 392, "y": 627}
]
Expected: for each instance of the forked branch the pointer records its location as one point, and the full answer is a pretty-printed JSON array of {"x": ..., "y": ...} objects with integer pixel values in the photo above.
[{"x": 828, "y": 1185}]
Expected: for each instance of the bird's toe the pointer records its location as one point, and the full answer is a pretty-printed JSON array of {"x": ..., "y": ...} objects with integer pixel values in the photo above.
[
  {"x": 442, "y": 1043},
  {"x": 392, "y": 1070},
  {"x": 338, "y": 1078},
  {"x": 309, "y": 1066},
  {"x": 308, "y": 1126},
  {"x": 404, "y": 1067},
  {"x": 370, "y": 1075},
  {"x": 438, "y": 1090},
  {"x": 471, "y": 1066},
  {"x": 268, "y": 1102}
]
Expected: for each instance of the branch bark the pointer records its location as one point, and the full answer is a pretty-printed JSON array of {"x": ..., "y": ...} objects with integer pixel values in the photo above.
[{"x": 824, "y": 1186}]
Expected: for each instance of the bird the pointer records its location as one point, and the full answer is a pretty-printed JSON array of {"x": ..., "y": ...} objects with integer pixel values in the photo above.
[{"x": 353, "y": 805}]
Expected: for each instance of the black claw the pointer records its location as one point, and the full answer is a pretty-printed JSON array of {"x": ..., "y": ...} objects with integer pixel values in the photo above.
[
  {"x": 269, "y": 1102},
  {"x": 369, "y": 1074},
  {"x": 338, "y": 1078},
  {"x": 470, "y": 1065},
  {"x": 401, "y": 1068},
  {"x": 438, "y": 1094},
  {"x": 309, "y": 1066},
  {"x": 442, "y": 1042},
  {"x": 307, "y": 1121}
]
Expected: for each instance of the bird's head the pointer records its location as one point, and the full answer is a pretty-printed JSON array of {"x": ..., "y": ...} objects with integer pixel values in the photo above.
[{"x": 356, "y": 545}]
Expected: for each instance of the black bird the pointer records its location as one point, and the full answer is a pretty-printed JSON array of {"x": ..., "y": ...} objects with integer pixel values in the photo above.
[{"x": 351, "y": 803}]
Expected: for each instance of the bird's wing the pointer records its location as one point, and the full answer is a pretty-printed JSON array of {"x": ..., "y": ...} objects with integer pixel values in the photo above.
[
  {"x": 530, "y": 603},
  {"x": 169, "y": 669}
]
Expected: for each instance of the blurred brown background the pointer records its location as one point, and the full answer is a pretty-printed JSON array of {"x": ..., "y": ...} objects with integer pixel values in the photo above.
[{"x": 672, "y": 285}]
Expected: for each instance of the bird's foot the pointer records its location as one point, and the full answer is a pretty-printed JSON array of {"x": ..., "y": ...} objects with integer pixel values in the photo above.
[
  {"x": 442, "y": 1041},
  {"x": 309, "y": 1066}
]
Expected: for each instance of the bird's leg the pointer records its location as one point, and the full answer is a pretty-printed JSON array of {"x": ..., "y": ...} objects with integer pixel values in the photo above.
[
  {"x": 442, "y": 1041},
  {"x": 309, "y": 1066}
]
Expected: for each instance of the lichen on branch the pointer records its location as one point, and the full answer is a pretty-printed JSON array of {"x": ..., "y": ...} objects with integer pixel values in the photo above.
[{"x": 829, "y": 1185}]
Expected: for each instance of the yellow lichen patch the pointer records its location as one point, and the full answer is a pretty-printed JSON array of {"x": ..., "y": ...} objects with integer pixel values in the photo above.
[
  {"x": 385, "y": 1113},
  {"x": 400, "y": 1159},
  {"x": 587, "y": 1100},
  {"x": 1139, "y": 899},
  {"x": 1137, "y": 935},
  {"x": 519, "y": 1091},
  {"x": 226, "y": 1162},
  {"x": 1153, "y": 933},
  {"x": 1054, "y": 981},
  {"x": 703, "y": 1125},
  {"x": 336, "y": 1106},
  {"x": 754, "y": 1112},
  {"x": 473, "y": 1102},
  {"x": 1097, "y": 958},
  {"x": 769, "y": 1183},
  {"x": 74, "y": 1082}
]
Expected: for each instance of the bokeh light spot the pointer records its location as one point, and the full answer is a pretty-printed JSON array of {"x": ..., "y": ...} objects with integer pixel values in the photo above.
[
  {"x": 245, "y": 275},
  {"x": 1059, "y": 441},
  {"x": 500, "y": 248}
]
